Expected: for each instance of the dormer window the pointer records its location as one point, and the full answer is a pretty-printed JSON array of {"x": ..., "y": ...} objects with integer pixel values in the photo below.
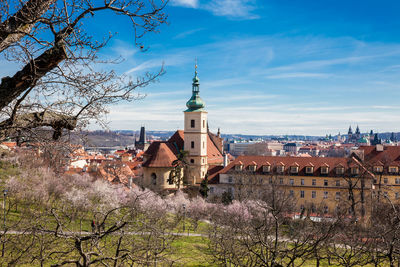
[
  {"x": 309, "y": 169},
  {"x": 253, "y": 167},
  {"x": 239, "y": 166},
  {"x": 355, "y": 170},
  {"x": 280, "y": 168},
  {"x": 393, "y": 169},
  {"x": 339, "y": 170},
  {"x": 294, "y": 169},
  {"x": 378, "y": 169},
  {"x": 325, "y": 169},
  {"x": 266, "y": 168}
]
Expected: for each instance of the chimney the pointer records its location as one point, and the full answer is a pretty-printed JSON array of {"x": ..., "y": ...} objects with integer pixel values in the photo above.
[
  {"x": 379, "y": 148},
  {"x": 226, "y": 160}
]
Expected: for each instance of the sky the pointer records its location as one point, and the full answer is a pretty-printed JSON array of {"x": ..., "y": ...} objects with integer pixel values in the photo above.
[{"x": 266, "y": 67}]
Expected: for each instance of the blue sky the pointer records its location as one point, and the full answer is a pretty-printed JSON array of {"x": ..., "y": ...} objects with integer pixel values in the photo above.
[{"x": 267, "y": 67}]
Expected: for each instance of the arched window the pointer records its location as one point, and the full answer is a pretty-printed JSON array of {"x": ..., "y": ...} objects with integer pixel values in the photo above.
[{"x": 153, "y": 178}]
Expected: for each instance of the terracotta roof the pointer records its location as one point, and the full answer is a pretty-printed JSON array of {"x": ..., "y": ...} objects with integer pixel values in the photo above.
[
  {"x": 177, "y": 138},
  {"x": 317, "y": 162},
  {"x": 389, "y": 156},
  {"x": 10, "y": 144},
  {"x": 160, "y": 154},
  {"x": 169, "y": 150},
  {"x": 116, "y": 172}
]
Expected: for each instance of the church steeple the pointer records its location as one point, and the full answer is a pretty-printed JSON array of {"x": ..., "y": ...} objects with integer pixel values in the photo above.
[
  {"x": 350, "y": 130},
  {"x": 195, "y": 103}
]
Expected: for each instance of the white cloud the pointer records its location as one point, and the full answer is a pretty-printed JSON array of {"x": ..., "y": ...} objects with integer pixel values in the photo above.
[
  {"x": 234, "y": 9},
  {"x": 185, "y": 3},
  {"x": 241, "y": 9}
]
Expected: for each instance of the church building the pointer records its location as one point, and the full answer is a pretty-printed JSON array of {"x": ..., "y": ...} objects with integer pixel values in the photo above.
[{"x": 204, "y": 150}]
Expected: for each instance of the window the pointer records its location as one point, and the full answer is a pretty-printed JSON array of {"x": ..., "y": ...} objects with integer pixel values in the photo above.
[
  {"x": 339, "y": 170},
  {"x": 170, "y": 180},
  {"x": 313, "y": 209},
  {"x": 280, "y": 169},
  {"x": 393, "y": 169},
  {"x": 294, "y": 169},
  {"x": 301, "y": 194},
  {"x": 313, "y": 194},
  {"x": 203, "y": 160},
  {"x": 397, "y": 180},
  {"x": 192, "y": 124},
  {"x": 291, "y": 193},
  {"x": 385, "y": 180},
  {"x": 291, "y": 182},
  {"x": 153, "y": 178},
  {"x": 191, "y": 160},
  {"x": 337, "y": 196},
  {"x": 301, "y": 208},
  {"x": 302, "y": 181},
  {"x": 325, "y": 182},
  {"x": 211, "y": 190},
  {"x": 337, "y": 182},
  {"x": 309, "y": 170},
  {"x": 238, "y": 167},
  {"x": 375, "y": 181},
  {"x": 378, "y": 169},
  {"x": 280, "y": 180},
  {"x": 253, "y": 168},
  {"x": 204, "y": 144},
  {"x": 270, "y": 180},
  {"x": 230, "y": 180},
  {"x": 397, "y": 195},
  {"x": 354, "y": 170},
  {"x": 204, "y": 123},
  {"x": 326, "y": 209},
  {"x": 325, "y": 195},
  {"x": 266, "y": 168},
  {"x": 324, "y": 170},
  {"x": 192, "y": 144},
  {"x": 314, "y": 182}
]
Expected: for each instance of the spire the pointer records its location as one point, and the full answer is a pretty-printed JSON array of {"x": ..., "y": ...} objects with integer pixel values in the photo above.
[
  {"x": 195, "y": 103},
  {"x": 357, "y": 130},
  {"x": 350, "y": 130}
]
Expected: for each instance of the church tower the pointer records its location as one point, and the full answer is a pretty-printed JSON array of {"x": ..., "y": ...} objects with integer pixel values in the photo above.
[{"x": 195, "y": 134}]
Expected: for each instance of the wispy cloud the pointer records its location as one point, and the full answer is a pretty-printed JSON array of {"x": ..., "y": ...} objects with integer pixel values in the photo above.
[
  {"x": 234, "y": 9},
  {"x": 185, "y": 3},
  {"x": 239, "y": 9},
  {"x": 298, "y": 75},
  {"x": 187, "y": 33}
]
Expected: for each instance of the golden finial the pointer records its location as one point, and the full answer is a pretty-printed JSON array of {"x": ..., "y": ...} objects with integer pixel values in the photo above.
[{"x": 195, "y": 65}]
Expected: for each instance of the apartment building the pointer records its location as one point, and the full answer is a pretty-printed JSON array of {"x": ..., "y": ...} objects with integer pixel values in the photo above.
[{"x": 312, "y": 182}]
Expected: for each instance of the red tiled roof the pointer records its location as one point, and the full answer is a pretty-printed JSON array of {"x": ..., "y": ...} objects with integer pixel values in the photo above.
[
  {"x": 160, "y": 154},
  {"x": 317, "y": 162},
  {"x": 177, "y": 138},
  {"x": 389, "y": 156},
  {"x": 170, "y": 149}
]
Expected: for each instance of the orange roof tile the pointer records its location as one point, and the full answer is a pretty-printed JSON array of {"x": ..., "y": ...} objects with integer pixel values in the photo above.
[{"x": 160, "y": 154}]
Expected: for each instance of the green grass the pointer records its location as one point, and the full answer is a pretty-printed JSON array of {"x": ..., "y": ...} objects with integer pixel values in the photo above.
[{"x": 191, "y": 251}]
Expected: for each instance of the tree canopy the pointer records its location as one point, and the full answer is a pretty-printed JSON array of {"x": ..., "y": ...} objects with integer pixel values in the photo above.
[{"x": 59, "y": 84}]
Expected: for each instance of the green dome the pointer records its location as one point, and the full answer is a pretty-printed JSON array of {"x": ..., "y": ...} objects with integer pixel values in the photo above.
[
  {"x": 362, "y": 140},
  {"x": 195, "y": 103}
]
